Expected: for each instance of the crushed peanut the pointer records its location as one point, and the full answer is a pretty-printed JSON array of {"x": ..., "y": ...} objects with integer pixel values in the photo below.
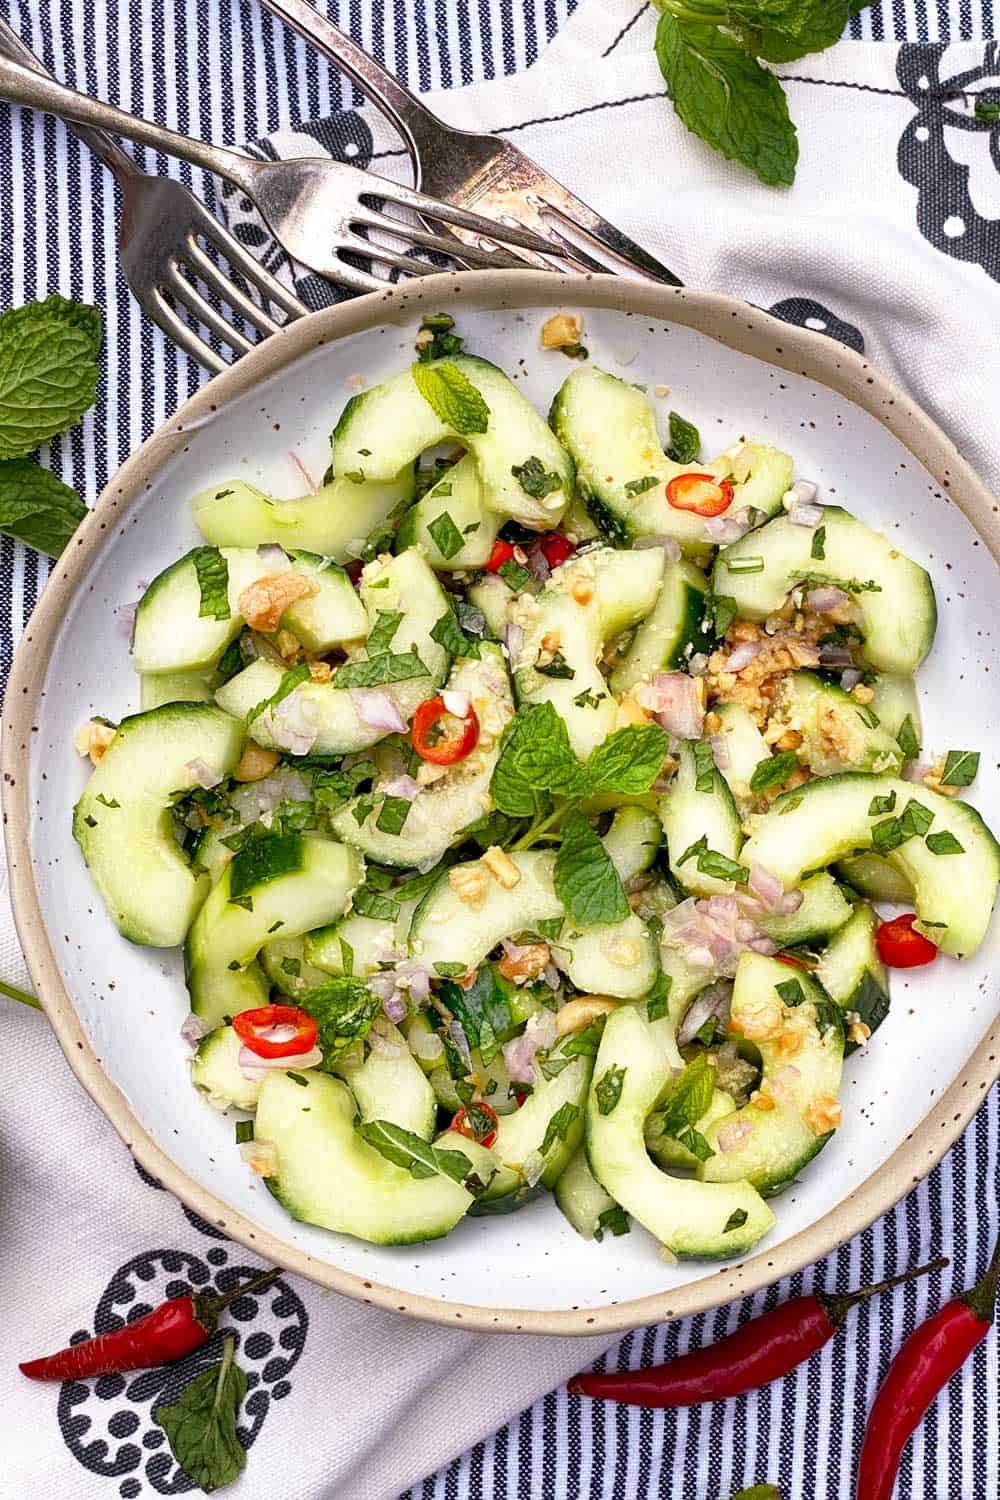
[
  {"x": 92, "y": 739},
  {"x": 933, "y": 782},
  {"x": 762, "y": 1023},
  {"x": 581, "y": 1011},
  {"x": 582, "y": 590},
  {"x": 263, "y": 602},
  {"x": 255, "y": 763},
  {"x": 862, "y": 693},
  {"x": 289, "y": 646},
  {"x": 763, "y": 1101},
  {"x": 531, "y": 961},
  {"x": 501, "y": 867},
  {"x": 790, "y": 740},
  {"x": 320, "y": 671},
  {"x": 470, "y": 883},
  {"x": 561, "y": 330},
  {"x": 823, "y": 1114},
  {"x": 859, "y": 1031}
]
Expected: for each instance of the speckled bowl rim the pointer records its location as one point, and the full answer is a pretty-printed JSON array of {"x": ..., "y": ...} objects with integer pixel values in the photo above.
[{"x": 727, "y": 321}]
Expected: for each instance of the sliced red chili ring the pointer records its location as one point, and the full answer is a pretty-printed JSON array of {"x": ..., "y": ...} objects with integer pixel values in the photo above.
[
  {"x": 477, "y": 1122},
  {"x": 431, "y": 740},
  {"x": 502, "y": 553},
  {"x": 701, "y": 493},
  {"x": 249, "y": 1025},
  {"x": 901, "y": 947}
]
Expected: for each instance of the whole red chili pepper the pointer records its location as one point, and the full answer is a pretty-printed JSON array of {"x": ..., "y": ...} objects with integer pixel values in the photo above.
[
  {"x": 170, "y": 1331},
  {"x": 760, "y": 1351},
  {"x": 925, "y": 1363}
]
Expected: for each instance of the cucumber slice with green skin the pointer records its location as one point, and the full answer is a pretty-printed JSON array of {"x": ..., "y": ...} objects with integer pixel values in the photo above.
[
  {"x": 331, "y": 617},
  {"x": 396, "y": 423},
  {"x": 852, "y": 973},
  {"x": 389, "y": 1083},
  {"x": 446, "y": 930},
  {"x": 171, "y": 635},
  {"x": 493, "y": 596},
  {"x": 632, "y": 840},
  {"x": 492, "y": 1086},
  {"x": 824, "y": 910},
  {"x": 370, "y": 942},
  {"x": 671, "y": 633},
  {"x": 216, "y": 1071},
  {"x": 403, "y": 584},
  {"x": 688, "y": 815},
  {"x": 327, "y": 1174},
  {"x": 831, "y": 819},
  {"x": 667, "y": 1151},
  {"x": 616, "y": 959},
  {"x": 424, "y": 1043},
  {"x": 898, "y": 619},
  {"x": 586, "y": 602},
  {"x": 302, "y": 882},
  {"x": 609, "y": 428},
  {"x": 123, "y": 823},
  {"x": 872, "y": 876},
  {"x": 690, "y": 1218},
  {"x": 581, "y": 1197},
  {"x": 458, "y": 798},
  {"x": 745, "y": 748},
  {"x": 521, "y": 1135},
  {"x": 177, "y": 687},
  {"x": 686, "y": 980},
  {"x": 895, "y": 700},
  {"x": 838, "y": 733},
  {"x": 801, "y": 1085},
  {"x": 456, "y": 496},
  {"x": 335, "y": 521},
  {"x": 285, "y": 963}
]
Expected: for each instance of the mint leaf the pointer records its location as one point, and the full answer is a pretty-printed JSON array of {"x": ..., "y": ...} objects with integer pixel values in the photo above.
[
  {"x": 774, "y": 771},
  {"x": 452, "y": 396},
  {"x": 442, "y": 341},
  {"x": 688, "y": 1097},
  {"x": 201, "y": 1424},
  {"x": 381, "y": 634},
  {"x": 586, "y": 881},
  {"x": 558, "y": 1127},
  {"x": 394, "y": 813},
  {"x": 726, "y": 97},
  {"x": 557, "y": 667},
  {"x": 783, "y": 33},
  {"x": 961, "y": 768},
  {"x": 48, "y": 371},
  {"x": 212, "y": 572},
  {"x": 916, "y": 820},
  {"x": 685, "y": 440},
  {"x": 418, "y": 1156},
  {"x": 368, "y": 902},
  {"x": 533, "y": 479},
  {"x": 818, "y": 547},
  {"x": 608, "y": 1090},
  {"x": 36, "y": 508},
  {"x": 640, "y": 486},
  {"x": 293, "y": 678},
  {"x": 736, "y": 1220},
  {"x": 485, "y": 1009},
  {"x": 264, "y": 858},
  {"x": 343, "y": 1010},
  {"x": 615, "y": 1219},
  {"x": 658, "y": 999},
  {"x": 378, "y": 670},
  {"x": 514, "y": 575},
  {"x": 448, "y": 633},
  {"x": 944, "y": 842},
  {"x": 881, "y": 805},
  {"x": 907, "y": 739},
  {"x": 446, "y": 535},
  {"x": 704, "y": 766},
  {"x": 535, "y": 757},
  {"x": 629, "y": 760}
]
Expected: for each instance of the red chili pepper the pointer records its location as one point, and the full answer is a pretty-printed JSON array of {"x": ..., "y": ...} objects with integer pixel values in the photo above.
[
  {"x": 762, "y": 1350},
  {"x": 477, "y": 1122},
  {"x": 902, "y": 948},
  {"x": 249, "y": 1024},
  {"x": 439, "y": 748},
  {"x": 170, "y": 1331},
  {"x": 701, "y": 493},
  {"x": 354, "y": 569},
  {"x": 502, "y": 553},
  {"x": 793, "y": 963},
  {"x": 925, "y": 1363},
  {"x": 556, "y": 548}
]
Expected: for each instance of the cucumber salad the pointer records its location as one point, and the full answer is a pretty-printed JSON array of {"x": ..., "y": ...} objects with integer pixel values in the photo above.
[{"x": 519, "y": 798}]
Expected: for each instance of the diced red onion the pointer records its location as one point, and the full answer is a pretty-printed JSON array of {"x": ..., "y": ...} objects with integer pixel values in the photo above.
[
  {"x": 194, "y": 1029},
  {"x": 376, "y": 709},
  {"x": 551, "y": 976},
  {"x": 834, "y": 655},
  {"x": 456, "y": 702},
  {"x": 802, "y": 510},
  {"x": 732, "y": 1135},
  {"x": 724, "y": 530},
  {"x": 204, "y": 776},
  {"x": 386, "y": 1046},
  {"x": 426, "y": 1045},
  {"x": 406, "y": 787},
  {"x": 784, "y": 1081},
  {"x": 742, "y": 656},
  {"x": 698, "y": 664},
  {"x": 720, "y": 751},
  {"x": 802, "y": 492},
  {"x": 273, "y": 557},
  {"x": 771, "y": 893},
  {"x": 850, "y": 679},
  {"x": 537, "y": 564},
  {"x": 295, "y": 723},
  {"x": 296, "y": 460},
  {"x": 513, "y": 639},
  {"x": 260, "y": 1156},
  {"x": 671, "y": 547},
  {"x": 713, "y": 1001},
  {"x": 763, "y": 944},
  {"x": 673, "y": 698},
  {"x": 821, "y": 601}
]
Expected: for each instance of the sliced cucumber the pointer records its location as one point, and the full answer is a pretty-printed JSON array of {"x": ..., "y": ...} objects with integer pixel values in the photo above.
[
  {"x": 581, "y": 1197},
  {"x": 667, "y": 1151},
  {"x": 609, "y": 427},
  {"x": 331, "y": 617},
  {"x": 824, "y": 910},
  {"x": 616, "y": 958},
  {"x": 799, "y": 1085},
  {"x": 439, "y": 811},
  {"x": 831, "y": 818},
  {"x": 492, "y": 595},
  {"x": 215, "y": 1069},
  {"x": 898, "y": 616},
  {"x": 447, "y": 930},
  {"x": 852, "y": 973},
  {"x": 585, "y": 603},
  {"x": 359, "y": 945},
  {"x": 456, "y": 498},
  {"x": 632, "y": 840},
  {"x": 279, "y": 882},
  {"x": 876, "y": 878},
  {"x": 334, "y": 521},
  {"x": 327, "y": 1174},
  {"x": 405, "y": 585},
  {"x": 171, "y": 633},
  {"x": 396, "y": 423},
  {"x": 123, "y": 823},
  {"x": 285, "y": 963},
  {"x": 896, "y": 700},
  {"x": 744, "y": 749},
  {"x": 671, "y": 633},
  {"x": 389, "y": 1083},
  {"x": 838, "y": 733},
  {"x": 522, "y": 1134},
  {"x": 155, "y": 689},
  {"x": 690, "y": 1218},
  {"x": 689, "y": 815}
]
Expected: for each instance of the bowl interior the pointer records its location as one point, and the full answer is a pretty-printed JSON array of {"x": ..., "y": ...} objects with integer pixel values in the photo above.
[{"x": 131, "y": 1001}]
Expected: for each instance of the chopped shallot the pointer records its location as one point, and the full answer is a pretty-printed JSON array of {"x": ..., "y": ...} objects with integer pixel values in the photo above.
[
  {"x": 723, "y": 530},
  {"x": 821, "y": 601},
  {"x": 732, "y": 1135},
  {"x": 771, "y": 893},
  {"x": 513, "y": 639},
  {"x": 834, "y": 655},
  {"x": 742, "y": 656},
  {"x": 456, "y": 702},
  {"x": 376, "y": 709},
  {"x": 273, "y": 557},
  {"x": 204, "y": 776},
  {"x": 194, "y": 1029},
  {"x": 850, "y": 678},
  {"x": 670, "y": 545},
  {"x": 406, "y": 787},
  {"x": 534, "y": 1166},
  {"x": 673, "y": 698},
  {"x": 713, "y": 1001},
  {"x": 720, "y": 751},
  {"x": 426, "y": 1045},
  {"x": 294, "y": 723},
  {"x": 254, "y": 1067}
]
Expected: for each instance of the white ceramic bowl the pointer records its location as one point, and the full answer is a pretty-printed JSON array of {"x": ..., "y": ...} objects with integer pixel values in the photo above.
[{"x": 117, "y": 1008}]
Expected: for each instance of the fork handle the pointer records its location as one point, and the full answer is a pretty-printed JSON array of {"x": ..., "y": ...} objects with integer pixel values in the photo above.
[
  {"x": 100, "y": 143},
  {"x": 420, "y": 129},
  {"x": 26, "y": 86}
]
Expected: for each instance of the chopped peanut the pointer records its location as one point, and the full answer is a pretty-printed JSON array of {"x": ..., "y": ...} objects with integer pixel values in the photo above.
[
  {"x": 580, "y": 1011},
  {"x": 470, "y": 884},
  {"x": 501, "y": 867},
  {"x": 789, "y": 1041},
  {"x": 790, "y": 740},
  {"x": 631, "y": 712},
  {"x": 862, "y": 693},
  {"x": 320, "y": 671},
  {"x": 263, "y": 602},
  {"x": 760, "y": 1024},
  {"x": 582, "y": 590},
  {"x": 289, "y": 646},
  {"x": 745, "y": 630},
  {"x": 762, "y": 1100},
  {"x": 550, "y": 642},
  {"x": 933, "y": 780},
  {"x": 562, "y": 330},
  {"x": 93, "y": 738},
  {"x": 255, "y": 763},
  {"x": 530, "y": 962},
  {"x": 859, "y": 1031},
  {"x": 823, "y": 1114}
]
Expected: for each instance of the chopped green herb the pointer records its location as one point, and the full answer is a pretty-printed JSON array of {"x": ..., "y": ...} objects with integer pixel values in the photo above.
[
  {"x": 291, "y": 966},
  {"x": 449, "y": 634},
  {"x": 534, "y": 480},
  {"x": 379, "y": 670},
  {"x": 107, "y": 801},
  {"x": 685, "y": 440},
  {"x": 944, "y": 842},
  {"x": 514, "y": 575},
  {"x": 394, "y": 813},
  {"x": 380, "y": 636},
  {"x": 244, "y": 1131},
  {"x": 880, "y": 805},
  {"x": 447, "y": 537},
  {"x": 916, "y": 820},
  {"x": 704, "y": 766},
  {"x": 587, "y": 699},
  {"x": 791, "y": 991},
  {"x": 640, "y": 486},
  {"x": 559, "y": 1126},
  {"x": 774, "y": 771},
  {"x": 369, "y": 903},
  {"x": 961, "y": 768},
  {"x": 212, "y": 572},
  {"x": 608, "y": 1090},
  {"x": 557, "y": 667},
  {"x": 745, "y": 564},
  {"x": 290, "y": 680},
  {"x": 736, "y": 1220},
  {"x": 907, "y": 739},
  {"x": 346, "y": 956},
  {"x": 443, "y": 344},
  {"x": 818, "y": 548},
  {"x": 615, "y": 1219},
  {"x": 452, "y": 396}
]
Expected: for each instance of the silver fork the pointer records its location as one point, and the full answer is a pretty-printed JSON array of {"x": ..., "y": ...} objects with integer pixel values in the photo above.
[
  {"x": 313, "y": 206},
  {"x": 465, "y": 168},
  {"x": 160, "y": 236}
]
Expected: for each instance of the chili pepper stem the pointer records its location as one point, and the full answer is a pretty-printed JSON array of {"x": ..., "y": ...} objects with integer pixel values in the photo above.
[
  {"x": 837, "y": 1307},
  {"x": 21, "y": 995},
  {"x": 215, "y": 1305},
  {"x": 981, "y": 1298}
]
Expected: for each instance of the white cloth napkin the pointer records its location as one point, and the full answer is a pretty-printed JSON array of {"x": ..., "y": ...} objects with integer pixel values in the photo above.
[{"x": 350, "y": 1403}]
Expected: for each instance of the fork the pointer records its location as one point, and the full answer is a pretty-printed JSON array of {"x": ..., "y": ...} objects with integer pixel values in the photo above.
[
  {"x": 159, "y": 232},
  {"x": 313, "y": 206},
  {"x": 465, "y": 168}
]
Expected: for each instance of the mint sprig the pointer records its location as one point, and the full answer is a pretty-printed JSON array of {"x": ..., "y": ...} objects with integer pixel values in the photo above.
[
  {"x": 36, "y": 508},
  {"x": 48, "y": 371},
  {"x": 452, "y": 396}
]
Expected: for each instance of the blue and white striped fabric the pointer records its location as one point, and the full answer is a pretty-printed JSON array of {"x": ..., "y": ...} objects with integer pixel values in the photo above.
[{"x": 223, "y": 70}]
